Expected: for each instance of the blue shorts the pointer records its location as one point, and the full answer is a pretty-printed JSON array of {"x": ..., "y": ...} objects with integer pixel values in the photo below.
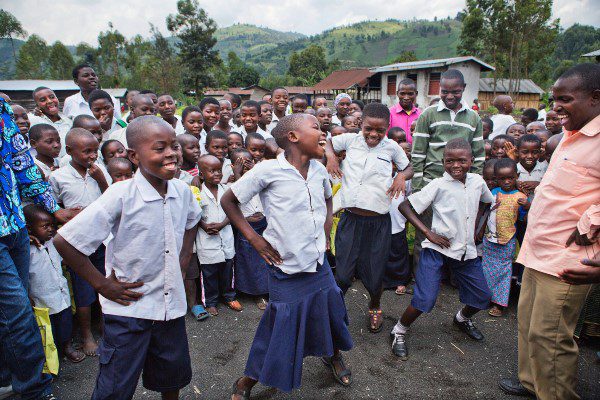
[
  {"x": 83, "y": 293},
  {"x": 472, "y": 287},
  {"x": 132, "y": 346}
]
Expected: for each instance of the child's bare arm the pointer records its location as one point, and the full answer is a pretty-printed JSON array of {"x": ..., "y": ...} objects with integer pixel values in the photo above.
[
  {"x": 333, "y": 166},
  {"x": 187, "y": 248},
  {"x": 110, "y": 287},
  {"x": 96, "y": 173},
  {"x": 328, "y": 220},
  {"x": 231, "y": 207},
  {"x": 411, "y": 216}
]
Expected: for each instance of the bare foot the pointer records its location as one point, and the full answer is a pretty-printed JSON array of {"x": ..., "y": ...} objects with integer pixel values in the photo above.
[
  {"x": 73, "y": 355},
  {"x": 90, "y": 347}
]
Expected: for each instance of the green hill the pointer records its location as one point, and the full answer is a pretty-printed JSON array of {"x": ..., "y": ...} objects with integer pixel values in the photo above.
[{"x": 368, "y": 43}]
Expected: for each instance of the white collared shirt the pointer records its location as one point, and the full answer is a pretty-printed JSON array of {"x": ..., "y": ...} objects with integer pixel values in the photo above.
[
  {"x": 63, "y": 126},
  {"x": 179, "y": 129},
  {"x": 148, "y": 235},
  {"x": 75, "y": 105},
  {"x": 252, "y": 207},
  {"x": 186, "y": 177},
  {"x": 213, "y": 249},
  {"x": 259, "y": 130},
  {"x": 273, "y": 124},
  {"x": 44, "y": 168},
  {"x": 47, "y": 285},
  {"x": 227, "y": 170},
  {"x": 464, "y": 107},
  {"x": 367, "y": 171},
  {"x": 295, "y": 209},
  {"x": 398, "y": 220},
  {"x": 72, "y": 190},
  {"x": 336, "y": 120},
  {"x": 501, "y": 124},
  {"x": 536, "y": 174},
  {"x": 455, "y": 207}
]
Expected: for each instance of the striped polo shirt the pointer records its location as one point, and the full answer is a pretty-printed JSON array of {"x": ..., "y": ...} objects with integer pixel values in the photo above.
[{"x": 435, "y": 127}]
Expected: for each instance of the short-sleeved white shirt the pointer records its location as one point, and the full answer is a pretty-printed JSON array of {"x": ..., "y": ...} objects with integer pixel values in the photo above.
[
  {"x": 398, "y": 220},
  {"x": 44, "y": 168},
  {"x": 295, "y": 209},
  {"x": 227, "y": 170},
  {"x": 63, "y": 126},
  {"x": 501, "y": 124},
  {"x": 455, "y": 207},
  {"x": 75, "y": 105},
  {"x": 252, "y": 207},
  {"x": 367, "y": 171},
  {"x": 213, "y": 249},
  {"x": 536, "y": 174},
  {"x": 147, "y": 234},
  {"x": 47, "y": 285},
  {"x": 266, "y": 135},
  {"x": 73, "y": 190}
]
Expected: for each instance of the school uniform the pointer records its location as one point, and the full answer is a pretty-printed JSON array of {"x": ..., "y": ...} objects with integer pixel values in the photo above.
[
  {"x": 149, "y": 334},
  {"x": 266, "y": 135},
  {"x": 227, "y": 171},
  {"x": 251, "y": 270},
  {"x": 179, "y": 128},
  {"x": 115, "y": 126},
  {"x": 49, "y": 289},
  {"x": 397, "y": 270},
  {"x": 501, "y": 124},
  {"x": 363, "y": 242},
  {"x": 455, "y": 205},
  {"x": 75, "y": 105},
  {"x": 120, "y": 135},
  {"x": 273, "y": 124},
  {"x": 73, "y": 190},
  {"x": 186, "y": 177},
  {"x": 63, "y": 126},
  {"x": 44, "y": 168},
  {"x": 215, "y": 252},
  {"x": 535, "y": 175},
  {"x": 306, "y": 314}
]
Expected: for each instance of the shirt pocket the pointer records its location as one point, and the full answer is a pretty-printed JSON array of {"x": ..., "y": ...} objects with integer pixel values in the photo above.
[
  {"x": 383, "y": 165},
  {"x": 569, "y": 178}
]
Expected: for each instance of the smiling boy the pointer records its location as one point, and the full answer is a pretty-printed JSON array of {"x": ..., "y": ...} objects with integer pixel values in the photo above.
[
  {"x": 85, "y": 77},
  {"x": 405, "y": 112},
  {"x": 48, "y": 104}
]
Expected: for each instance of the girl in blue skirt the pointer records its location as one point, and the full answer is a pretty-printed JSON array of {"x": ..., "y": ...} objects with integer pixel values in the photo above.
[{"x": 306, "y": 314}]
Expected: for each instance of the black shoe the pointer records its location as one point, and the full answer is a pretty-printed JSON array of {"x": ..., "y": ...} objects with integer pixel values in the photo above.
[
  {"x": 469, "y": 328},
  {"x": 515, "y": 388},
  {"x": 49, "y": 397},
  {"x": 399, "y": 346}
]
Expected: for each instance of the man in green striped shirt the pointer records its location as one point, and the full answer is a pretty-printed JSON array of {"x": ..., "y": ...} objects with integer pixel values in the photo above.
[
  {"x": 450, "y": 119},
  {"x": 436, "y": 126}
]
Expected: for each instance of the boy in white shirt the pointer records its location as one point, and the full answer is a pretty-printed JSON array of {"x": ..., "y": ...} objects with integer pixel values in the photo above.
[
  {"x": 48, "y": 287},
  {"x": 141, "y": 105},
  {"x": 47, "y": 103},
  {"x": 363, "y": 236},
  {"x": 456, "y": 199},
  {"x": 45, "y": 140},
  {"x": 503, "y": 119},
  {"x": 153, "y": 219},
  {"x": 214, "y": 242},
  {"x": 85, "y": 77},
  {"x": 250, "y": 114},
  {"x": 306, "y": 314}
]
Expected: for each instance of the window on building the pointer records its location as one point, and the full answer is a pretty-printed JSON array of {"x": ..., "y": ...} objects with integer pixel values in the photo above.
[
  {"x": 434, "y": 83},
  {"x": 413, "y": 77},
  {"x": 391, "y": 85}
]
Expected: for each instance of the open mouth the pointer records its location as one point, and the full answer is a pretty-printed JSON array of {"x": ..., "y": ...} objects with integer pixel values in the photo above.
[
  {"x": 322, "y": 143},
  {"x": 170, "y": 166}
]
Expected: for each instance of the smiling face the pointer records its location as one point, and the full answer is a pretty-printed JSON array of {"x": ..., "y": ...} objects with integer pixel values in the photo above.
[
  {"x": 218, "y": 148},
  {"x": 249, "y": 118},
  {"x": 47, "y": 102},
  {"x": 280, "y": 100},
  {"x": 451, "y": 92},
  {"x": 87, "y": 80},
  {"x": 211, "y": 113},
  {"x": 574, "y": 103},
  {"x": 21, "y": 119},
  {"x": 49, "y": 144},
  {"x": 529, "y": 153},
  {"x": 83, "y": 151},
  {"x": 553, "y": 122},
  {"x": 112, "y": 150},
  {"x": 225, "y": 112},
  {"x": 257, "y": 148},
  {"x": 407, "y": 95},
  {"x": 374, "y": 130},
  {"x": 156, "y": 155},
  {"x": 309, "y": 138},
  {"x": 506, "y": 178},
  {"x": 498, "y": 150},
  {"x": 194, "y": 123},
  {"x": 103, "y": 111},
  {"x": 457, "y": 162},
  {"x": 166, "y": 106}
]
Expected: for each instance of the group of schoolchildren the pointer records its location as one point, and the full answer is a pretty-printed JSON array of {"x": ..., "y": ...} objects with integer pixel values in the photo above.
[{"x": 260, "y": 198}]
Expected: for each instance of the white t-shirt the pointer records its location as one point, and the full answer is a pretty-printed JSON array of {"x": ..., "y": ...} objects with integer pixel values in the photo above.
[{"x": 501, "y": 124}]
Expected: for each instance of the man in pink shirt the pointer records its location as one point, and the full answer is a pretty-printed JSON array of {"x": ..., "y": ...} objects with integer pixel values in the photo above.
[
  {"x": 563, "y": 229},
  {"x": 405, "y": 112}
]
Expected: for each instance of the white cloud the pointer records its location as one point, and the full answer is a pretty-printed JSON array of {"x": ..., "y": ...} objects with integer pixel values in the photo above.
[{"x": 74, "y": 21}]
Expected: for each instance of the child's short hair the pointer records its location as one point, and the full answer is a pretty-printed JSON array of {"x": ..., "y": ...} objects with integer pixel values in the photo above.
[
  {"x": 286, "y": 124},
  {"x": 458, "y": 144},
  {"x": 118, "y": 162},
  {"x": 490, "y": 164},
  {"x": 488, "y": 121},
  {"x": 32, "y": 212},
  {"x": 98, "y": 94},
  {"x": 531, "y": 113},
  {"x": 395, "y": 129},
  {"x": 77, "y": 68},
  {"x": 214, "y": 135},
  {"x": 190, "y": 109},
  {"x": 279, "y": 88},
  {"x": 76, "y": 134},
  {"x": 235, "y": 98},
  {"x": 80, "y": 120},
  {"x": 376, "y": 110},
  {"x": 529, "y": 138},
  {"x": 254, "y": 136},
  {"x": 252, "y": 104},
  {"x": 505, "y": 163},
  {"x": 36, "y": 131},
  {"x": 344, "y": 119},
  {"x": 104, "y": 145},
  {"x": 262, "y": 103},
  {"x": 209, "y": 100},
  {"x": 359, "y": 103},
  {"x": 504, "y": 137},
  {"x": 454, "y": 74},
  {"x": 301, "y": 96},
  {"x": 237, "y": 133},
  {"x": 39, "y": 89},
  {"x": 240, "y": 150}
]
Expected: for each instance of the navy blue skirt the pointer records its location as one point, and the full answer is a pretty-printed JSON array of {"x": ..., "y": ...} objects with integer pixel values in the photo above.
[
  {"x": 251, "y": 271},
  {"x": 306, "y": 316}
]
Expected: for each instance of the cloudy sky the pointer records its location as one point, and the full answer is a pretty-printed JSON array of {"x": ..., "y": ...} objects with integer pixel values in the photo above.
[{"x": 74, "y": 21}]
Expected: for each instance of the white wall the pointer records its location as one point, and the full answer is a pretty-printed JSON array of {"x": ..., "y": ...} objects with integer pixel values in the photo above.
[{"x": 472, "y": 73}]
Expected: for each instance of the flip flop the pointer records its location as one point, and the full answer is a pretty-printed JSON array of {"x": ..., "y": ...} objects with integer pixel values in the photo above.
[
  {"x": 199, "y": 312},
  {"x": 344, "y": 372}
]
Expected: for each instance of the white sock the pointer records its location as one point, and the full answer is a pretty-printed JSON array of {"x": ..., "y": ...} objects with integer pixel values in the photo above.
[
  {"x": 399, "y": 328},
  {"x": 460, "y": 317}
]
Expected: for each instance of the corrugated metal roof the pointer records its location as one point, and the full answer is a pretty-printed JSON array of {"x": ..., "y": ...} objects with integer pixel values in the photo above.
[
  {"x": 344, "y": 79},
  {"x": 525, "y": 86},
  {"x": 592, "y": 54},
  {"x": 441, "y": 62},
  {"x": 300, "y": 89},
  {"x": 32, "y": 84},
  {"x": 223, "y": 92},
  {"x": 116, "y": 92}
]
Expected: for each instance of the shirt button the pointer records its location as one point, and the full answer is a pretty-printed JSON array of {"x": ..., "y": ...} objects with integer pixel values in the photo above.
[
  {"x": 166, "y": 294},
  {"x": 167, "y": 251}
]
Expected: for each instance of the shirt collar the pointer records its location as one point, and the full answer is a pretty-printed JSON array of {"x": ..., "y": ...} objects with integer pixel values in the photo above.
[
  {"x": 400, "y": 110},
  {"x": 148, "y": 192},
  {"x": 79, "y": 98},
  {"x": 446, "y": 176},
  {"x": 210, "y": 193},
  {"x": 592, "y": 128},
  {"x": 442, "y": 106}
]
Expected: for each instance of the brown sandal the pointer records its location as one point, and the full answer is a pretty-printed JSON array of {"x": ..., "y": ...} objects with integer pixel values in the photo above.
[
  {"x": 495, "y": 311},
  {"x": 375, "y": 320}
]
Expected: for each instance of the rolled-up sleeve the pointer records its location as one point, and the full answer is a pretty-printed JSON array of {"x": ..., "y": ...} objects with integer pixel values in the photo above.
[{"x": 590, "y": 220}]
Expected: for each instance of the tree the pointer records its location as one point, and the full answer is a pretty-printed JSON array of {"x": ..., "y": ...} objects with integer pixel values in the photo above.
[
  {"x": 88, "y": 55},
  {"x": 11, "y": 28},
  {"x": 111, "y": 45},
  {"x": 32, "y": 59},
  {"x": 195, "y": 31},
  {"x": 240, "y": 73},
  {"x": 162, "y": 70},
  {"x": 405, "y": 56},
  {"x": 577, "y": 40},
  {"x": 135, "y": 60},
  {"x": 60, "y": 61},
  {"x": 309, "y": 65}
]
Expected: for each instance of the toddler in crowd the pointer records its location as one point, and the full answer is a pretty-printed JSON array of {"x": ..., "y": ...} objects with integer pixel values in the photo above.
[
  {"x": 111, "y": 149},
  {"x": 119, "y": 169},
  {"x": 350, "y": 123},
  {"x": 45, "y": 140}
]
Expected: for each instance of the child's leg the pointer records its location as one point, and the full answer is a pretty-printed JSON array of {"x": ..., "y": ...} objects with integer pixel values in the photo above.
[
  {"x": 397, "y": 270},
  {"x": 62, "y": 331},
  {"x": 191, "y": 274},
  {"x": 226, "y": 281},
  {"x": 210, "y": 283},
  {"x": 346, "y": 250},
  {"x": 375, "y": 245},
  {"x": 85, "y": 296}
]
